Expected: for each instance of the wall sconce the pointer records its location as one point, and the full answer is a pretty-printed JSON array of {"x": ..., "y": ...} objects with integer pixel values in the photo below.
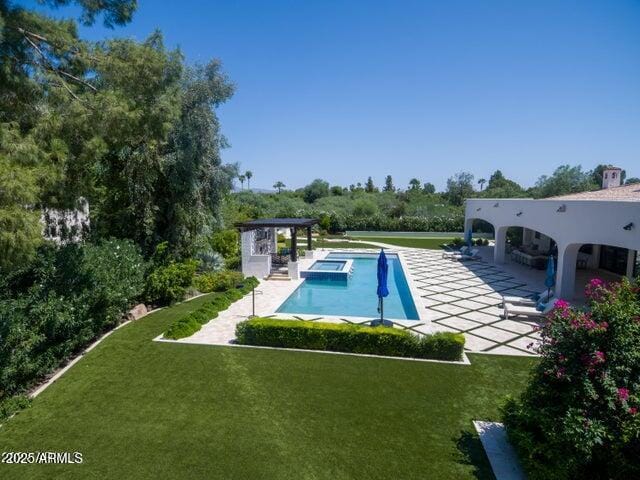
[
  {"x": 496, "y": 205},
  {"x": 518, "y": 214},
  {"x": 478, "y": 209},
  {"x": 562, "y": 208},
  {"x": 628, "y": 226}
]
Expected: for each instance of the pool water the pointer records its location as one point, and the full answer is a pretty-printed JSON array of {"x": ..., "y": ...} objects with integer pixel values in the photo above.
[
  {"x": 356, "y": 296},
  {"x": 328, "y": 265}
]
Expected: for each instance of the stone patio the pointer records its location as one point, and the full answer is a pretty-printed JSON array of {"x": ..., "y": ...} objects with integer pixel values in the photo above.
[
  {"x": 464, "y": 297},
  {"x": 451, "y": 296}
]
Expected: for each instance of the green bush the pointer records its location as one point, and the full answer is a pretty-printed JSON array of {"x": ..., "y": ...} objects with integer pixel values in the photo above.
[
  {"x": 12, "y": 405},
  {"x": 192, "y": 322},
  {"x": 54, "y": 307},
  {"x": 169, "y": 283},
  {"x": 349, "y": 338},
  {"x": 580, "y": 414},
  {"x": 457, "y": 242},
  {"x": 218, "y": 281},
  {"x": 226, "y": 243}
]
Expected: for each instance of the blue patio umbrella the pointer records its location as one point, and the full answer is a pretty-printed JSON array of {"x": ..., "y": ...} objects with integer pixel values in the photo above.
[
  {"x": 468, "y": 238},
  {"x": 382, "y": 290},
  {"x": 550, "y": 279}
]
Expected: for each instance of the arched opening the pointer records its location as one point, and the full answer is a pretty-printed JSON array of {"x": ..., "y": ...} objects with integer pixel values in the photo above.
[
  {"x": 584, "y": 262},
  {"x": 524, "y": 246}
]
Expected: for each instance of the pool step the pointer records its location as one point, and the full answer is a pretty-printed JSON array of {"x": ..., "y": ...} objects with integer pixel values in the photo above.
[
  {"x": 278, "y": 276},
  {"x": 279, "y": 273}
]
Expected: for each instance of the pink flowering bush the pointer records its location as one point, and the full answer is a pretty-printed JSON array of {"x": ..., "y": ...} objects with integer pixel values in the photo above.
[{"x": 578, "y": 418}]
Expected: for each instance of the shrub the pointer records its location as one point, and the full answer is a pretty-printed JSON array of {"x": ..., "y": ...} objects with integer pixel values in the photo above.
[
  {"x": 457, "y": 242},
  {"x": 218, "y": 281},
  {"x": 168, "y": 284},
  {"x": 192, "y": 322},
  {"x": 12, "y": 405},
  {"x": 58, "y": 304},
  {"x": 225, "y": 242},
  {"x": 232, "y": 263},
  {"x": 209, "y": 261},
  {"x": 348, "y": 338},
  {"x": 578, "y": 418}
]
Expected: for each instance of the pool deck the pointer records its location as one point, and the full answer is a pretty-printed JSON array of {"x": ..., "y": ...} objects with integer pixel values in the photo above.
[{"x": 449, "y": 295}]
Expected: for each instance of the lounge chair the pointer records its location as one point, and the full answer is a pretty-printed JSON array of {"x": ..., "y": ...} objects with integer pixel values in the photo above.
[
  {"x": 468, "y": 255},
  {"x": 511, "y": 310},
  {"x": 450, "y": 252},
  {"x": 530, "y": 301}
]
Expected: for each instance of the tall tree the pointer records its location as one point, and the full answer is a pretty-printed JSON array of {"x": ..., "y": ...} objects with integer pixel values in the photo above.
[
  {"x": 279, "y": 186},
  {"x": 24, "y": 169},
  {"x": 429, "y": 188},
  {"x": 249, "y": 175},
  {"x": 315, "y": 190},
  {"x": 501, "y": 187},
  {"x": 414, "y": 184},
  {"x": 388, "y": 184},
  {"x": 369, "y": 186},
  {"x": 565, "y": 179},
  {"x": 459, "y": 187},
  {"x": 481, "y": 182},
  {"x": 242, "y": 178}
]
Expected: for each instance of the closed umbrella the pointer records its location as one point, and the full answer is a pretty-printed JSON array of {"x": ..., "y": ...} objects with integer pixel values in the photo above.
[
  {"x": 468, "y": 239},
  {"x": 550, "y": 279},
  {"x": 382, "y": 290}
]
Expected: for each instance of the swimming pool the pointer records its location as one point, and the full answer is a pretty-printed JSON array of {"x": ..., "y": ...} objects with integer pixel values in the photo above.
[{"x": 355, "y": 296}]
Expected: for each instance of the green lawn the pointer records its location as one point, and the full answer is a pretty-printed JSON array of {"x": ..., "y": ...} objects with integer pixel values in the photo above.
[
  {"x": 430, "y": 243},
  {"x": 317, "y": 243},
  {"x": 142, "y": 409}
]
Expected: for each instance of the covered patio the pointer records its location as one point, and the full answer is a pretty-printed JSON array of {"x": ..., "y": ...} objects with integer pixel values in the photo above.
[{"x": 259, "y": 247}]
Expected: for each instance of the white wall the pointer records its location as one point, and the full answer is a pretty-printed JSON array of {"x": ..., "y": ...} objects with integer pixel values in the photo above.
[{"x": 571, "y": 223}]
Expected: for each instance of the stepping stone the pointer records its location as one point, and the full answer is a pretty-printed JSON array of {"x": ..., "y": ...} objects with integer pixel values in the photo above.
[{"x": 502, "y": 456}]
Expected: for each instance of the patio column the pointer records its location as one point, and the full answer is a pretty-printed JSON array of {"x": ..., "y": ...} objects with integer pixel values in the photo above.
[
  {"x": 500, "y": 246},
  {"x": 294, "y": 244},
  {"x": 309, "y": 246},
  {"x": 566, "y": 273},
  {"x": 631, "y": 263}
]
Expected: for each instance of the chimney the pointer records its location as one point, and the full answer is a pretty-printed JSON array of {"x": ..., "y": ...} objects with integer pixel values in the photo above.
[{"x": 611, "y": 177}]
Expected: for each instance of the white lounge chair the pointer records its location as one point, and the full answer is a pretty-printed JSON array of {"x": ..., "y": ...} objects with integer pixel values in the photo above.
[
  {"x": 511, "y": 310},
  {"x": 528, "y": 301},
  {"x": 469, "y": 255},
  {"x": 451, "y": 253}
]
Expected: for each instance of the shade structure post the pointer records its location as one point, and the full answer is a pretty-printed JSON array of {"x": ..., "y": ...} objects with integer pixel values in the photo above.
[
  {"x": 309, "y": 247},
  {"x": 294, "y": 244}
]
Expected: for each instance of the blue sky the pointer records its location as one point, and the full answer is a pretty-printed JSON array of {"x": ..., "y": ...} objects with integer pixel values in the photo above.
[{"x": 346, "y": 89}]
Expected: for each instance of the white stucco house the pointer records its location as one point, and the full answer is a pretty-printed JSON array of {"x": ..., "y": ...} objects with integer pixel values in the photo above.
[{"x": 596, "y": 231}]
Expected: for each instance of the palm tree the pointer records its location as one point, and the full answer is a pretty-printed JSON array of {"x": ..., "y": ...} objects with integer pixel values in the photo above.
[
  {"x": 242, "y": 178},
  {"x": 248, "y": 174},
  {"x": 481, "y": 182},
  {"x": 279, "y": 185}
]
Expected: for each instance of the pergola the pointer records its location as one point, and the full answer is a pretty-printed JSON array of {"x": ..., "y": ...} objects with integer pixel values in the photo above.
[{"x": 293, "y": 223}]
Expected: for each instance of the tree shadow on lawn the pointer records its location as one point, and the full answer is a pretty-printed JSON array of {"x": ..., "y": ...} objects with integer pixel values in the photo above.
[{"x": 470, "y": 446}]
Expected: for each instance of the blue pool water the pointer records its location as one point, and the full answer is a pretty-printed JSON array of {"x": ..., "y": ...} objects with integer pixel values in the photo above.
[
  {"x": 356, "y": 296},
  {"x": 327, "y": 266}
]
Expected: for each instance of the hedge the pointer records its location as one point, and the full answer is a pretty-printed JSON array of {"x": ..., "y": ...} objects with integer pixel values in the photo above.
[
  {"x": 435, "y": 223},
  {"x": 349, "y": 338},
  {"x": 192, "y": 322}
]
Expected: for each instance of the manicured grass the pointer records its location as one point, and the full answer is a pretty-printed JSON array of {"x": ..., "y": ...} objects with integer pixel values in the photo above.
[
  {"x": 430, "y": 243},
  {"x": 142, "y": 409}
]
